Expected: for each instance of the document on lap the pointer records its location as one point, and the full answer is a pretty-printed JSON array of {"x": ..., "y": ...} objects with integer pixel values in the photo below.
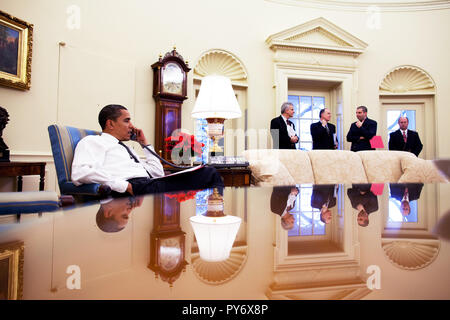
[{"x": 181, "y": 172}]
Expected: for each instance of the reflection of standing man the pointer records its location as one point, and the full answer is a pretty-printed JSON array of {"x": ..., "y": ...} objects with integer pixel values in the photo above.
[
  {"x": 404, "y": 139},
  {"x": 323, "y": 133},
  {"x": 363, "y": 200},
  {"x": 405, "y": 193},
  {"x": 323, "y": 198},
  {"x": 282, "y": 201},
  {"x": 362, "y": 131},
  {"x": 283, "y": 130}
]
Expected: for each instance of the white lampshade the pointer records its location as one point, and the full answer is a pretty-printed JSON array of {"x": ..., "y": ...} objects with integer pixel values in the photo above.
[
  {"x": 215, "y": 236},
  {"x": 216, "y": 99}
]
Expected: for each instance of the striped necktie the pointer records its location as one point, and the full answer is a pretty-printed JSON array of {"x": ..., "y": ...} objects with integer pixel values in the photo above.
[{"x": 132, "y": 156}]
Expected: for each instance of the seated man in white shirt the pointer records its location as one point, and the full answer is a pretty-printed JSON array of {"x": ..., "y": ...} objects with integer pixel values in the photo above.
[{"x": 105, "y": 159}]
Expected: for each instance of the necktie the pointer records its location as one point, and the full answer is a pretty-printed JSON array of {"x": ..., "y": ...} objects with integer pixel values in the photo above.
[
  {"x": 404, "y": 136},
  {"x": 289, "y": 123},
  {"x": 132, "y": 156},
  {"x": 328, "y": 130}
]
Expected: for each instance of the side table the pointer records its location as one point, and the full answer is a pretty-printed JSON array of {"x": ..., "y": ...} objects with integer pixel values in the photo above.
[
  {"x": 232, "y": 177},
  {"x": 19, "y": 169}
]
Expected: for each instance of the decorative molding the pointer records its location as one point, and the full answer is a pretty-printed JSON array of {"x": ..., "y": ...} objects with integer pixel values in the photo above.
[
  {"x": 355, "y": 289},
  {"x": 411, "y": 254},
  {"x": 366, "y": 6},
  {"x": 318, "y": 35},
  {"x": 221, "y": 62},
  {"x": 407, "y": 80},
  {"x": 216, "y": 273}
]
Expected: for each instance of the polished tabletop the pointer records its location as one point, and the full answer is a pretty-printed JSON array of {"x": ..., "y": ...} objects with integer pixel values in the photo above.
[{"x": 378, "y": 241}]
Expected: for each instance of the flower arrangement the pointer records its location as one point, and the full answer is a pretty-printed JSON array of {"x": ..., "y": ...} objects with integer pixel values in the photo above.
[
  {"x": 182, "y": 196},
  {"x": 183, "y": 146}
]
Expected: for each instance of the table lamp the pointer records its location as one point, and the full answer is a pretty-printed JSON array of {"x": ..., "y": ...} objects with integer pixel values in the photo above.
[{"x": 216, "y": 102}]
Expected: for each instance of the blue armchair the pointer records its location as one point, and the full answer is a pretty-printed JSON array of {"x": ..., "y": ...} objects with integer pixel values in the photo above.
[{"x": 63, "y": 140}]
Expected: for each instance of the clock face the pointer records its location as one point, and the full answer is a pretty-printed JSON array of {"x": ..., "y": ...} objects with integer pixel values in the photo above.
[
  {"x": 170, "y": 253},
  {"x": 172, "y": 76}
]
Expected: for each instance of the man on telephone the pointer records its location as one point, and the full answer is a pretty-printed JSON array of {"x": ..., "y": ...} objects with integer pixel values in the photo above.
[{"x": 107, "y": 160}]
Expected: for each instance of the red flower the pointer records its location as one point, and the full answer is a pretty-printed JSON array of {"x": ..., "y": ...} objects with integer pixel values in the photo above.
[
  {"x": 182, "y": 196},
  {"x": 183, "y": 143}
]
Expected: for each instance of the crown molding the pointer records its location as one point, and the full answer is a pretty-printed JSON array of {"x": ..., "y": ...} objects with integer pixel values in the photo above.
[{"x": 382, "y": 6}]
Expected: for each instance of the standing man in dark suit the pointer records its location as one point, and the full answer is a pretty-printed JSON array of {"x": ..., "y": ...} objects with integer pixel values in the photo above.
[
  {"x": 283, "y": 130},
  {"x": 404, "y": 139},
  {"x": 323, "y": 132},
  {"x": 362, "y": 131}
]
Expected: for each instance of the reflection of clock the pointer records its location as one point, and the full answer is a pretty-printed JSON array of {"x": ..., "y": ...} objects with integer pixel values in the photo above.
[
  {"x": 167, "y": 240},
  {"x": 169, "y": 92},
  {"x": 172, "y": 78}
]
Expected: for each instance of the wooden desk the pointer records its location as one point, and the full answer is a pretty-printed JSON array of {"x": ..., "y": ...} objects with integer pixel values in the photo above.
[
  {"x": 19, "y": 169},
  {"x": 232, "y": 177}
]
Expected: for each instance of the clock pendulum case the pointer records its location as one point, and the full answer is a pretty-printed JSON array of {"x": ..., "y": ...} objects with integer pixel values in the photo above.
[{"x": 169, "y": 92}]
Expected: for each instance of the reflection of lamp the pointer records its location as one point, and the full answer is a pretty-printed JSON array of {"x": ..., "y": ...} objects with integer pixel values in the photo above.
[
  {"x": 216, "y": 102},
  {"x": 215, "y": 232}
]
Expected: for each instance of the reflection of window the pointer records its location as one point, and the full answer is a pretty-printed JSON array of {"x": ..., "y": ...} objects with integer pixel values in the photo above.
[
  {"x": 201, "y": 201},
  {"x": 306, "y": 112},
  {"x": 394, "y": 115},
  {"x": 307, "y": 218}
]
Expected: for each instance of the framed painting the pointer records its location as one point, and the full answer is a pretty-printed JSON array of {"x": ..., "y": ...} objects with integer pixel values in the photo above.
[
  {"x": 16, "y": 39},
  {"x": 11, "y": 270}
]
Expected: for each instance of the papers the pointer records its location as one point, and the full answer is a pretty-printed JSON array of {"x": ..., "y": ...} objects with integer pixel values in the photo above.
[
  {"x": 376, "y": 142},
  {"x": 181, "y": 172},
  {"x": 377, "y": 188}
]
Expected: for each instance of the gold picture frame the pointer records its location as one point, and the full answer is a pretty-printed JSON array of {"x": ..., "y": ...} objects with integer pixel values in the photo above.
[
  {"x": 16, "y": 42},
  {"x": 11, "y": 270}
]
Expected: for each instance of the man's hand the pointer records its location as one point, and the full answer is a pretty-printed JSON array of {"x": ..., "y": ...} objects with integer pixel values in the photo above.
[
  {"x": 294, "y": 139},
  {"x": 361, "y": 138},
  {"x": 130, "y": 189},
  {"x": 140, "y": 137}
]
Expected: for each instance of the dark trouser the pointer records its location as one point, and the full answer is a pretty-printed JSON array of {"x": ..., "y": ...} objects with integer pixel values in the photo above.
[{"x": 203, "y": 178}]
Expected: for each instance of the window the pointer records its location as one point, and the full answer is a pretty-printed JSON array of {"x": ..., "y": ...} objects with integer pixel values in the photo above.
[
  {"x": 394, "y": 115},
  {"x": 201, "y": 135},
  {"x": 307, "y": 110}
]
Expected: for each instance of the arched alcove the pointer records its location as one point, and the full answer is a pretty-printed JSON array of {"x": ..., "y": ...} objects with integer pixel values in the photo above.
[
  {"x": 407, "y": 80},
  {"x": 222, "y": 62},
  {"x": 409, "y": 91}
]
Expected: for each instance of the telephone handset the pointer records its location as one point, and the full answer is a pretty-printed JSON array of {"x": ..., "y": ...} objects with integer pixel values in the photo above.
[{"x": 133, "y": 137}]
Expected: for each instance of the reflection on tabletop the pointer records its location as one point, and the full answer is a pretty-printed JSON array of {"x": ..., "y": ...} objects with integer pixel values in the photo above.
[{"x": 356, "y": 241}]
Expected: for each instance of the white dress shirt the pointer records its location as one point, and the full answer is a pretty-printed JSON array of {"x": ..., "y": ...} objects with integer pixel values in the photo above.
[{"x": 101, "y": 159}]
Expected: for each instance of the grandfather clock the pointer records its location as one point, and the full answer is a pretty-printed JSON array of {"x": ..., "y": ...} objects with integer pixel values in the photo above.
[{"x": 169, "y": 92}]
